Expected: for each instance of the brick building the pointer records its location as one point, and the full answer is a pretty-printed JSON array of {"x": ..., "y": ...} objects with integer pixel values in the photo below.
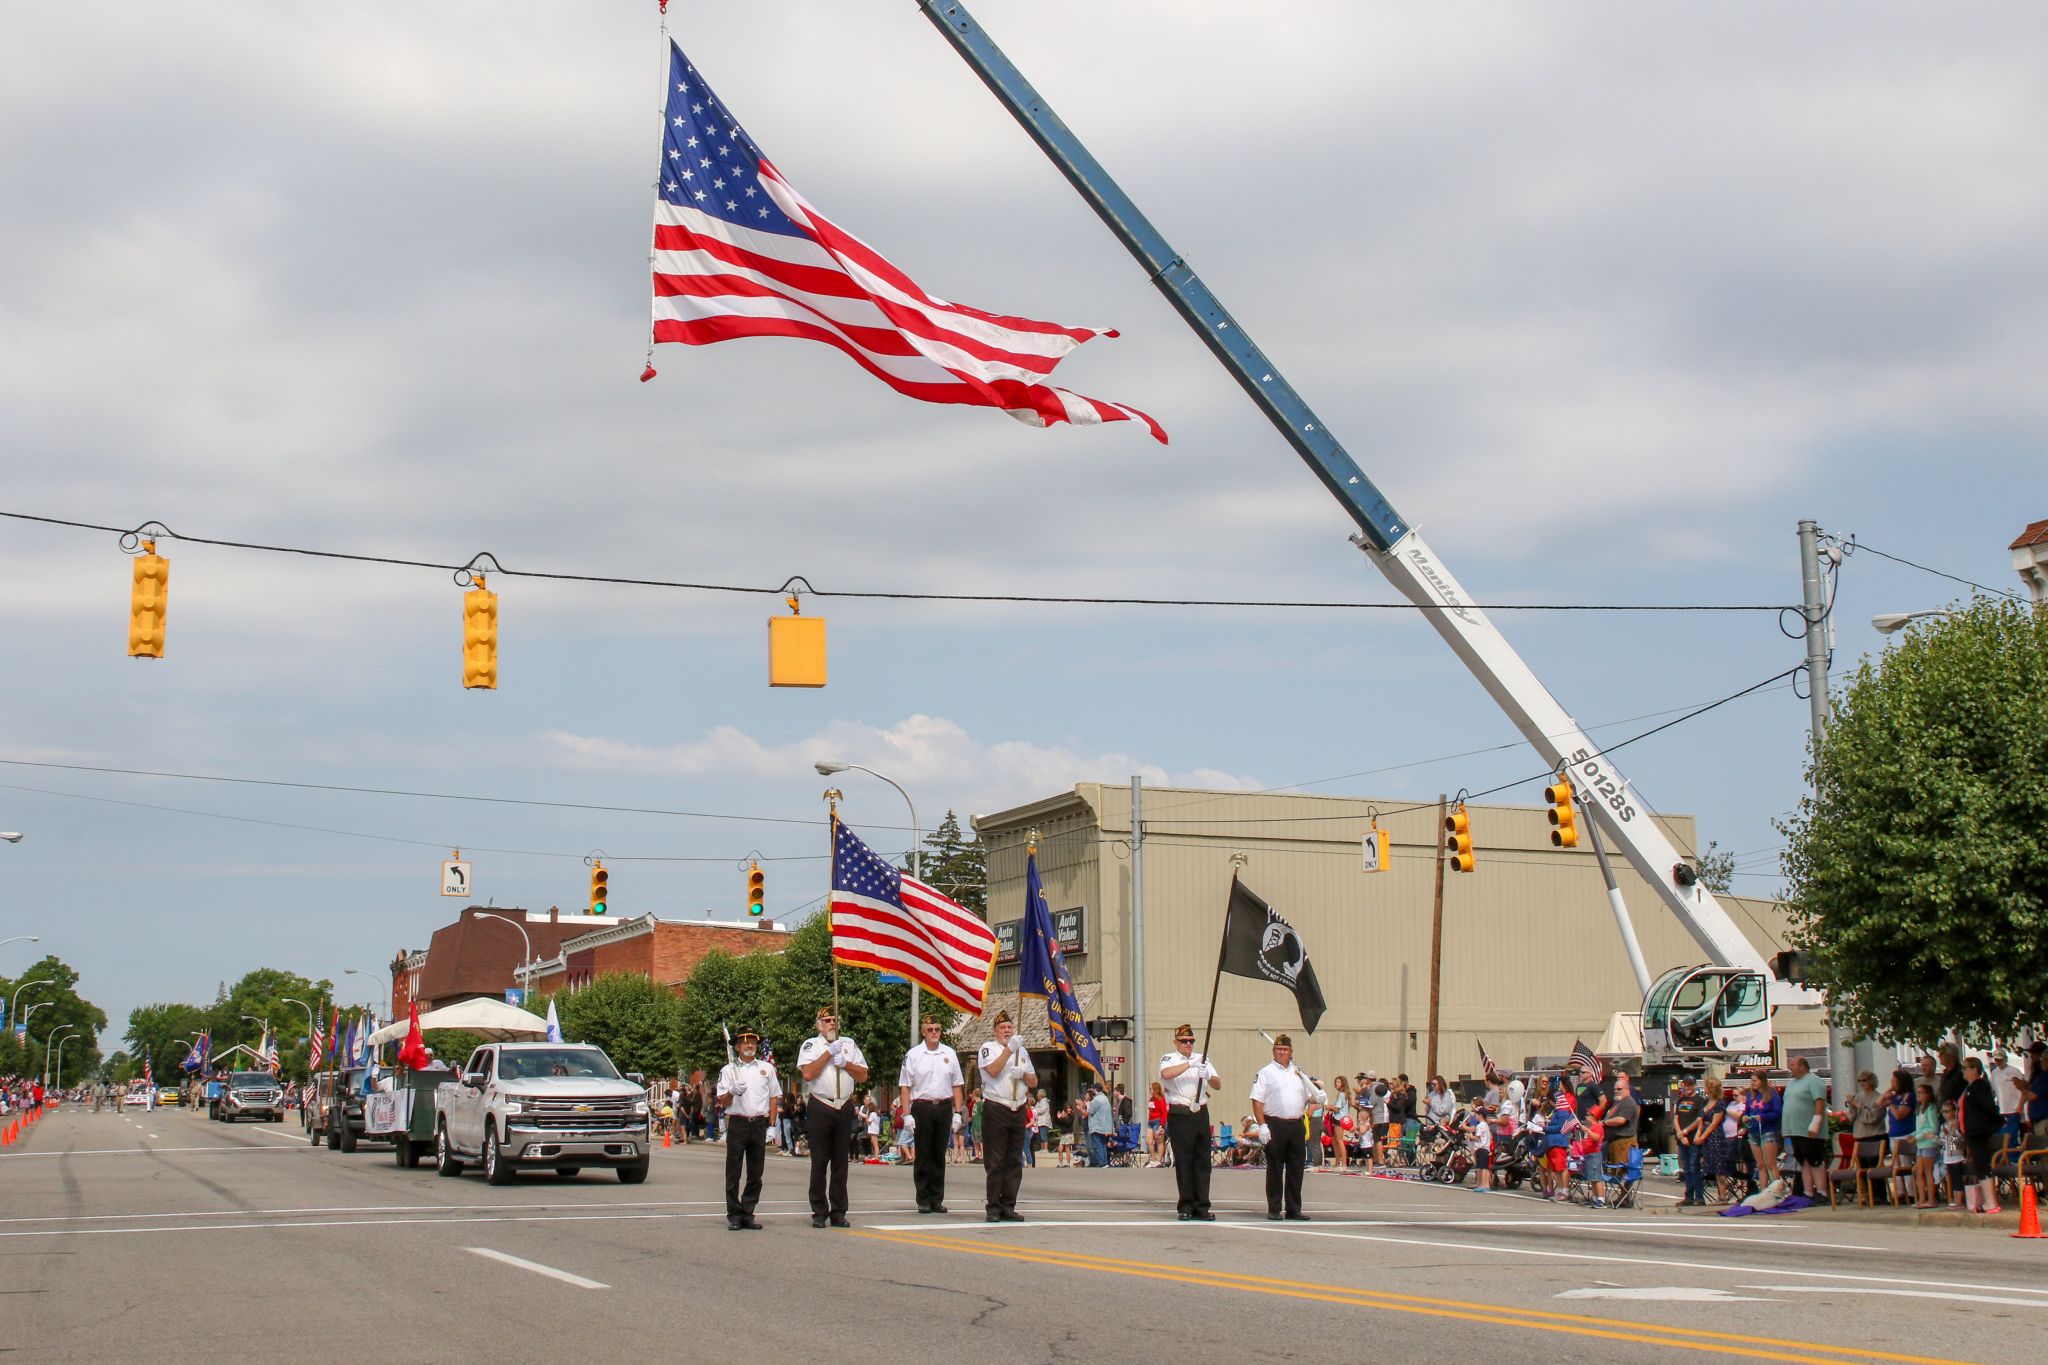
[
  {"x": 478, "y": 954},
  {"x": 663, "y": 950}
]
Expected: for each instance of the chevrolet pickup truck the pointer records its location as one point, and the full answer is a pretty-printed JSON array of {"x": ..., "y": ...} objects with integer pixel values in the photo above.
[{"x": 535, "y": 1106}]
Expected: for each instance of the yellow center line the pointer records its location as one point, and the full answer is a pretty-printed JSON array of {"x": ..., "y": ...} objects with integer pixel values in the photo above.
[{"x": 1504, "y": 1315}]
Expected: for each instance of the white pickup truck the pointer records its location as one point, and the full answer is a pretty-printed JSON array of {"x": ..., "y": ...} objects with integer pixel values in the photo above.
[{"x": 555, "y": 1106}]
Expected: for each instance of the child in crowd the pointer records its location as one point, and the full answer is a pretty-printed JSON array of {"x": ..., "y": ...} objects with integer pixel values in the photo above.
[
  {"x": 1952, "y": 1158},
  {"x": 1926, "y": 1144},
  {"x": 1482, "y": 1150}
]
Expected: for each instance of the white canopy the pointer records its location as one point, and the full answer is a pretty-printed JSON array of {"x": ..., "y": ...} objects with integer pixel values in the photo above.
[
  {"x": 487, "y": 1018},
  {"x": 1624, "y": 1036}
]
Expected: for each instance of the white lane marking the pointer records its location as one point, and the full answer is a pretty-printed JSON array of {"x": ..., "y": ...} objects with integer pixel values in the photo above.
[
  {"x": 155, "y": 1137},
  {"x": 537, "y": 1268},
  {"x": 1896, "y": 1293},
  {"x": 384, "y": 1222},
  {"x": 1158, "y": 1224},
  {"x": 382, "y": 1208},
  {"x": 1669, "y": 1294},
  {"x": 283, "y": 1137},
  {"x": 1621, "y": 1260},
  {"x": 139, "y": 1151}
]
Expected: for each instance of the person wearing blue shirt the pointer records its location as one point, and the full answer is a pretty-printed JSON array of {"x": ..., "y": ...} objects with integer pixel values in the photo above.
[{"x": 1100, "y": 1125}]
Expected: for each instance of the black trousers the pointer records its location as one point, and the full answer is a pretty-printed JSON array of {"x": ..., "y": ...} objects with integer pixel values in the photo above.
[
  {"x": 1002, "y": 1154},
  {"x": 830, "y": 1132},
  {"x": 1187, "y": 1133},
  {"x": 746, "y": 1140},
  {"x": 1286, "y": 1159},
  {"x": 934, "y": 1120}
]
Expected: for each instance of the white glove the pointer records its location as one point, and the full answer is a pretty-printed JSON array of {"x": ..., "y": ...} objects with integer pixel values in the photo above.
[
  {"x": 1265, "y": 1133},
  {"x": 837, "y": 1050}
]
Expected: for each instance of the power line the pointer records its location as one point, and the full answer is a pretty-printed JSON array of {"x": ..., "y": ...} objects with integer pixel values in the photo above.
[
  {"x": 1861, "y": 547},
  {"x": 163, "y": 532}
]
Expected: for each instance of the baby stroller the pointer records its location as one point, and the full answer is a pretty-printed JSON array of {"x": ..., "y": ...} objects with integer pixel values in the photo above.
[{"x": 1445, "y": 1152}]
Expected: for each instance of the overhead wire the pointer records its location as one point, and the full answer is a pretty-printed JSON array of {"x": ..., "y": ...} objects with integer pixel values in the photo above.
[
  {"x": 877, "y": 595},
  {"x": 1863, "y": 546}
]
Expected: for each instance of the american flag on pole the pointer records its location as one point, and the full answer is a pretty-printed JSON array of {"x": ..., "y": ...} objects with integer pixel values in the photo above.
[
  {"x": 739, "y": 253},
  {"x": 892, "y": 922},
  {"x": 1583, "y": 1059},
  {"x": 1486, "y": 1066}
]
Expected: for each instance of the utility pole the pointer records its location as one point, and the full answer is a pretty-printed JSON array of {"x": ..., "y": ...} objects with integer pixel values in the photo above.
[
  {"x": 1436, "y": 933},
  {"x": 1138, "y": 921},
  {"x": 1813, "y": 592}
]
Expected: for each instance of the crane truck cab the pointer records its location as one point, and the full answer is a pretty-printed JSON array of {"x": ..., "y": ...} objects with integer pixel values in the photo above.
[{"x": 1707, "y": 1012}]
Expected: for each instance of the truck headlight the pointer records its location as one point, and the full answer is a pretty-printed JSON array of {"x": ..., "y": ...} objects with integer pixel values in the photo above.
[
  {"x": 640, "y": 1110},
  {"x": 514, "y": 1107}
]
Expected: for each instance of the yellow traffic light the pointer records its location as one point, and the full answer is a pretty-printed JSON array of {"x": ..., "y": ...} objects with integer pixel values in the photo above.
[
  {"x": 479, "y": 636},
  {"x": 148, "y": 603},
  {"x": 796, "y": 649},
  {"x": 1458, "y": 839},
  {"x": 757, "y": 890},
  {"x": 1564, "y": 821},
  {"x": 600, "y": 890}
]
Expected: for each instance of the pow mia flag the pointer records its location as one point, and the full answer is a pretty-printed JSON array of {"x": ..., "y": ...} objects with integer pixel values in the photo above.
[{"x": 1259, "y": 944}]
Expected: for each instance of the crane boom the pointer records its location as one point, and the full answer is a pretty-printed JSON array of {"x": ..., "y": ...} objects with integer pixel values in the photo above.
[{"x": 1395, "y": 547}]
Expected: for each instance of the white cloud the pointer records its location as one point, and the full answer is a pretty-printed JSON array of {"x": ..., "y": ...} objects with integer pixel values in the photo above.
[{"x": 933, "y": 757}]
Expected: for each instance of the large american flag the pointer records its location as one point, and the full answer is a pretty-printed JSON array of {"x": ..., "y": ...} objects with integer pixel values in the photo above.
[
  {"x": 891, "y": 922},
  {"x": 739, "y": 253}
]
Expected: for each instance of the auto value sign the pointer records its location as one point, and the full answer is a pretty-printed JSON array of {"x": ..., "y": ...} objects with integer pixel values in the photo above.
[{"x": 1069, "y": 927}]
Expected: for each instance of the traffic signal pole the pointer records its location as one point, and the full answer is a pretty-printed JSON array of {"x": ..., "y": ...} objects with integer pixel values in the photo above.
[{"x": 1436, "y": 929}]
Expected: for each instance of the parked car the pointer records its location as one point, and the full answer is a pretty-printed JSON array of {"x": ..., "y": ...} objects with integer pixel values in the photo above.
[{"x": 555, "y": 1106}]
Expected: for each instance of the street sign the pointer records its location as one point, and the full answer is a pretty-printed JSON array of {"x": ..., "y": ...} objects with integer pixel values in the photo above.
[
  {"x": 514, "y": 996},
  {"x": 454, "y": 879},
  {"x": 1376, "y": 849},
  {"x": 1113, "y": 1063}
]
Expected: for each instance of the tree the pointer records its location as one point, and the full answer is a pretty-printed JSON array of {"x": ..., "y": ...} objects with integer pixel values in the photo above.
[
  {"x": 263, "y": 994},
  {"x": 632, "y": 1018},
  {"x": 724, "y": 991},
  {"x": 1717, "y": 870},
  {"x": 957, "y": 865},
  {"x": 160, "y": 1031},
  {"x": 66, "y": 1007},
  {"x": 872, "y": 1014},
  {"x": 1917, "y": 870}
]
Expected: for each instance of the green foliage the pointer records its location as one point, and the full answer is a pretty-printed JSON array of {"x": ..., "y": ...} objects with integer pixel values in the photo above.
[
  {"x": 956, "y": 865},
  {"x": 632, "y": 1018},
  {"x": 1717, "y": 870},
  {"x": 725, "y": 991},
  {"x": 161, "y": 1032},
  {"x": 262, "y": 993},
  {"x": 451, "y": 1045},
  {"x": 872, "y": 1014},
  {"x": 81, "y": 1055},
  {"x": 1918, "y": 870}
]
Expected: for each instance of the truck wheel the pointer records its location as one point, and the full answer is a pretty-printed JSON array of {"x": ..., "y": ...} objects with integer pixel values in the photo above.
[
  {"x": 348, "y": 1136},
  {"x": 333, "y": 1138},
  {"x": 312, "y": 1137},
  {"x": 496, "y": 1172},
  {"x": 444, "y": 1155},
  {"x": 633, "y": 1174},
  {"x": 401, "y": 1148}
]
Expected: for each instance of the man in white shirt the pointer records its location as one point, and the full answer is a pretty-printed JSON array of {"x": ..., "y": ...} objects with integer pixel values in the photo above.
[
  {"x": 1187, "y": 1078},
  {"x": 750, "y": 1093},
  {"x": 832, "y": 1070},
  {"x": 2010, "y": 1085},
  {"x": 1282, "y": 1098},
  {"x": 931, "y": 1082},
  {"x": 1007, "y": 1077}
]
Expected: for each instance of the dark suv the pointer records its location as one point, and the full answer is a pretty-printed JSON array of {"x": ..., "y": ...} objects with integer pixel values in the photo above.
[
  {"x": 337, "y": 1111},
  {"x": 252, "y": 1095}
]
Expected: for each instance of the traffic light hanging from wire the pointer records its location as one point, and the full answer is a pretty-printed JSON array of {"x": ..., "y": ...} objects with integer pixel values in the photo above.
[
  {"x": 1458, "y": 839},
  {"x": 1564, "y": 820},
  {"x": 600, "y": 890},
  {"x": 757, "y": 891},
  {"x": 148, "y": 604},
  {"x": 479, "y": 636}
]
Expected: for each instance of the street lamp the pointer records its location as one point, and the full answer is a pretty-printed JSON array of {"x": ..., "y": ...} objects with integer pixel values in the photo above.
[
  {"x": 312, "y": 1020},
  {"x": 524, "y": 973},
  {"x": 826, "y": 768},
  {"x": 55, "y": 1034},
  {"x": 11, "y": 836},
  {"x": 1891, "y": 622},
  {"x": 19, "y": 938},
  {"x": 60, "y": 1058},
  {"x": 26, "y": 985},
  {"x": 375, "y": 997}
]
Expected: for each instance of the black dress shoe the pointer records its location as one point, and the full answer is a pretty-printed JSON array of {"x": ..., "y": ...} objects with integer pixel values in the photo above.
[
  {"x": 1012, "y": 1216},
  {"x": 817, "y": 1220},
  {"x": 1186, "y": 1217},
  {"x": 936, "y": 1208},
  {"x": 841, "y": 1222},
  {"x": 733, "y": 1225},
  {"x": 992, "y": 1217},
  {"x": 752, "y": 1224},
  {"x": 1205, "y": 1218},
  {"x": 1272, "y": 1217},
  {"x": 1298, "y": 1218}
]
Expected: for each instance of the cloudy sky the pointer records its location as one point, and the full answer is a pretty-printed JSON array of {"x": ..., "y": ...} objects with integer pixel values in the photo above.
[{"x": 1605, "y": 297}]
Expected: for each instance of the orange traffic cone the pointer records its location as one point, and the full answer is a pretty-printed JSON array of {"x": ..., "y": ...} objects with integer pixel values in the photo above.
[
  {"x": 668, "y": 1138},
  {"x": 2030, "y": 1213}
]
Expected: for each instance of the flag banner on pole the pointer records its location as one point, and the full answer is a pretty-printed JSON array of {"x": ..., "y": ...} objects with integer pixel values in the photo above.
[
  {"x": 191, "y": 1062},
  {"x": 554, "y": 1024},
  {"x": 1042, "y": 972},
  {"x": 892, "y": 922},
  {"x": 313, "y": 1047},
  {"x": 148, "y": 1071},
  {"x": 1582, "y": 1056},
  {"x": 1486, "y": 1066},
  {"x": 1259, "y": 944},
  {"x": 414, "y": 1053},
  {"x": 739, "y": 253}
]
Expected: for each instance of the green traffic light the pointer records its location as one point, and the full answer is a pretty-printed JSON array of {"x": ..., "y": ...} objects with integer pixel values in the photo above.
[{"x": 598, "y": 908}]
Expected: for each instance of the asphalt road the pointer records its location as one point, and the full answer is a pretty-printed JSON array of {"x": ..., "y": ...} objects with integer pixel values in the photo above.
[{"x": 131, "y": 1236}]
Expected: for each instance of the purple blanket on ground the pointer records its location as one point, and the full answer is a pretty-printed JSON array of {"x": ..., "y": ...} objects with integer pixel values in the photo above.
[{"x": 1792, "y": 1204}]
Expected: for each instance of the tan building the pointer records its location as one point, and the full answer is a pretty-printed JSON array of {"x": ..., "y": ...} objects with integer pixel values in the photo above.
[{"x": 1532, "y": 960}]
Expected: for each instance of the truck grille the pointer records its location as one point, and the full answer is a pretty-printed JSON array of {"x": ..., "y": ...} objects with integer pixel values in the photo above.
[
  {"x": 596, "y": 1115},
  {"x": 258, "y": 1096}
]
